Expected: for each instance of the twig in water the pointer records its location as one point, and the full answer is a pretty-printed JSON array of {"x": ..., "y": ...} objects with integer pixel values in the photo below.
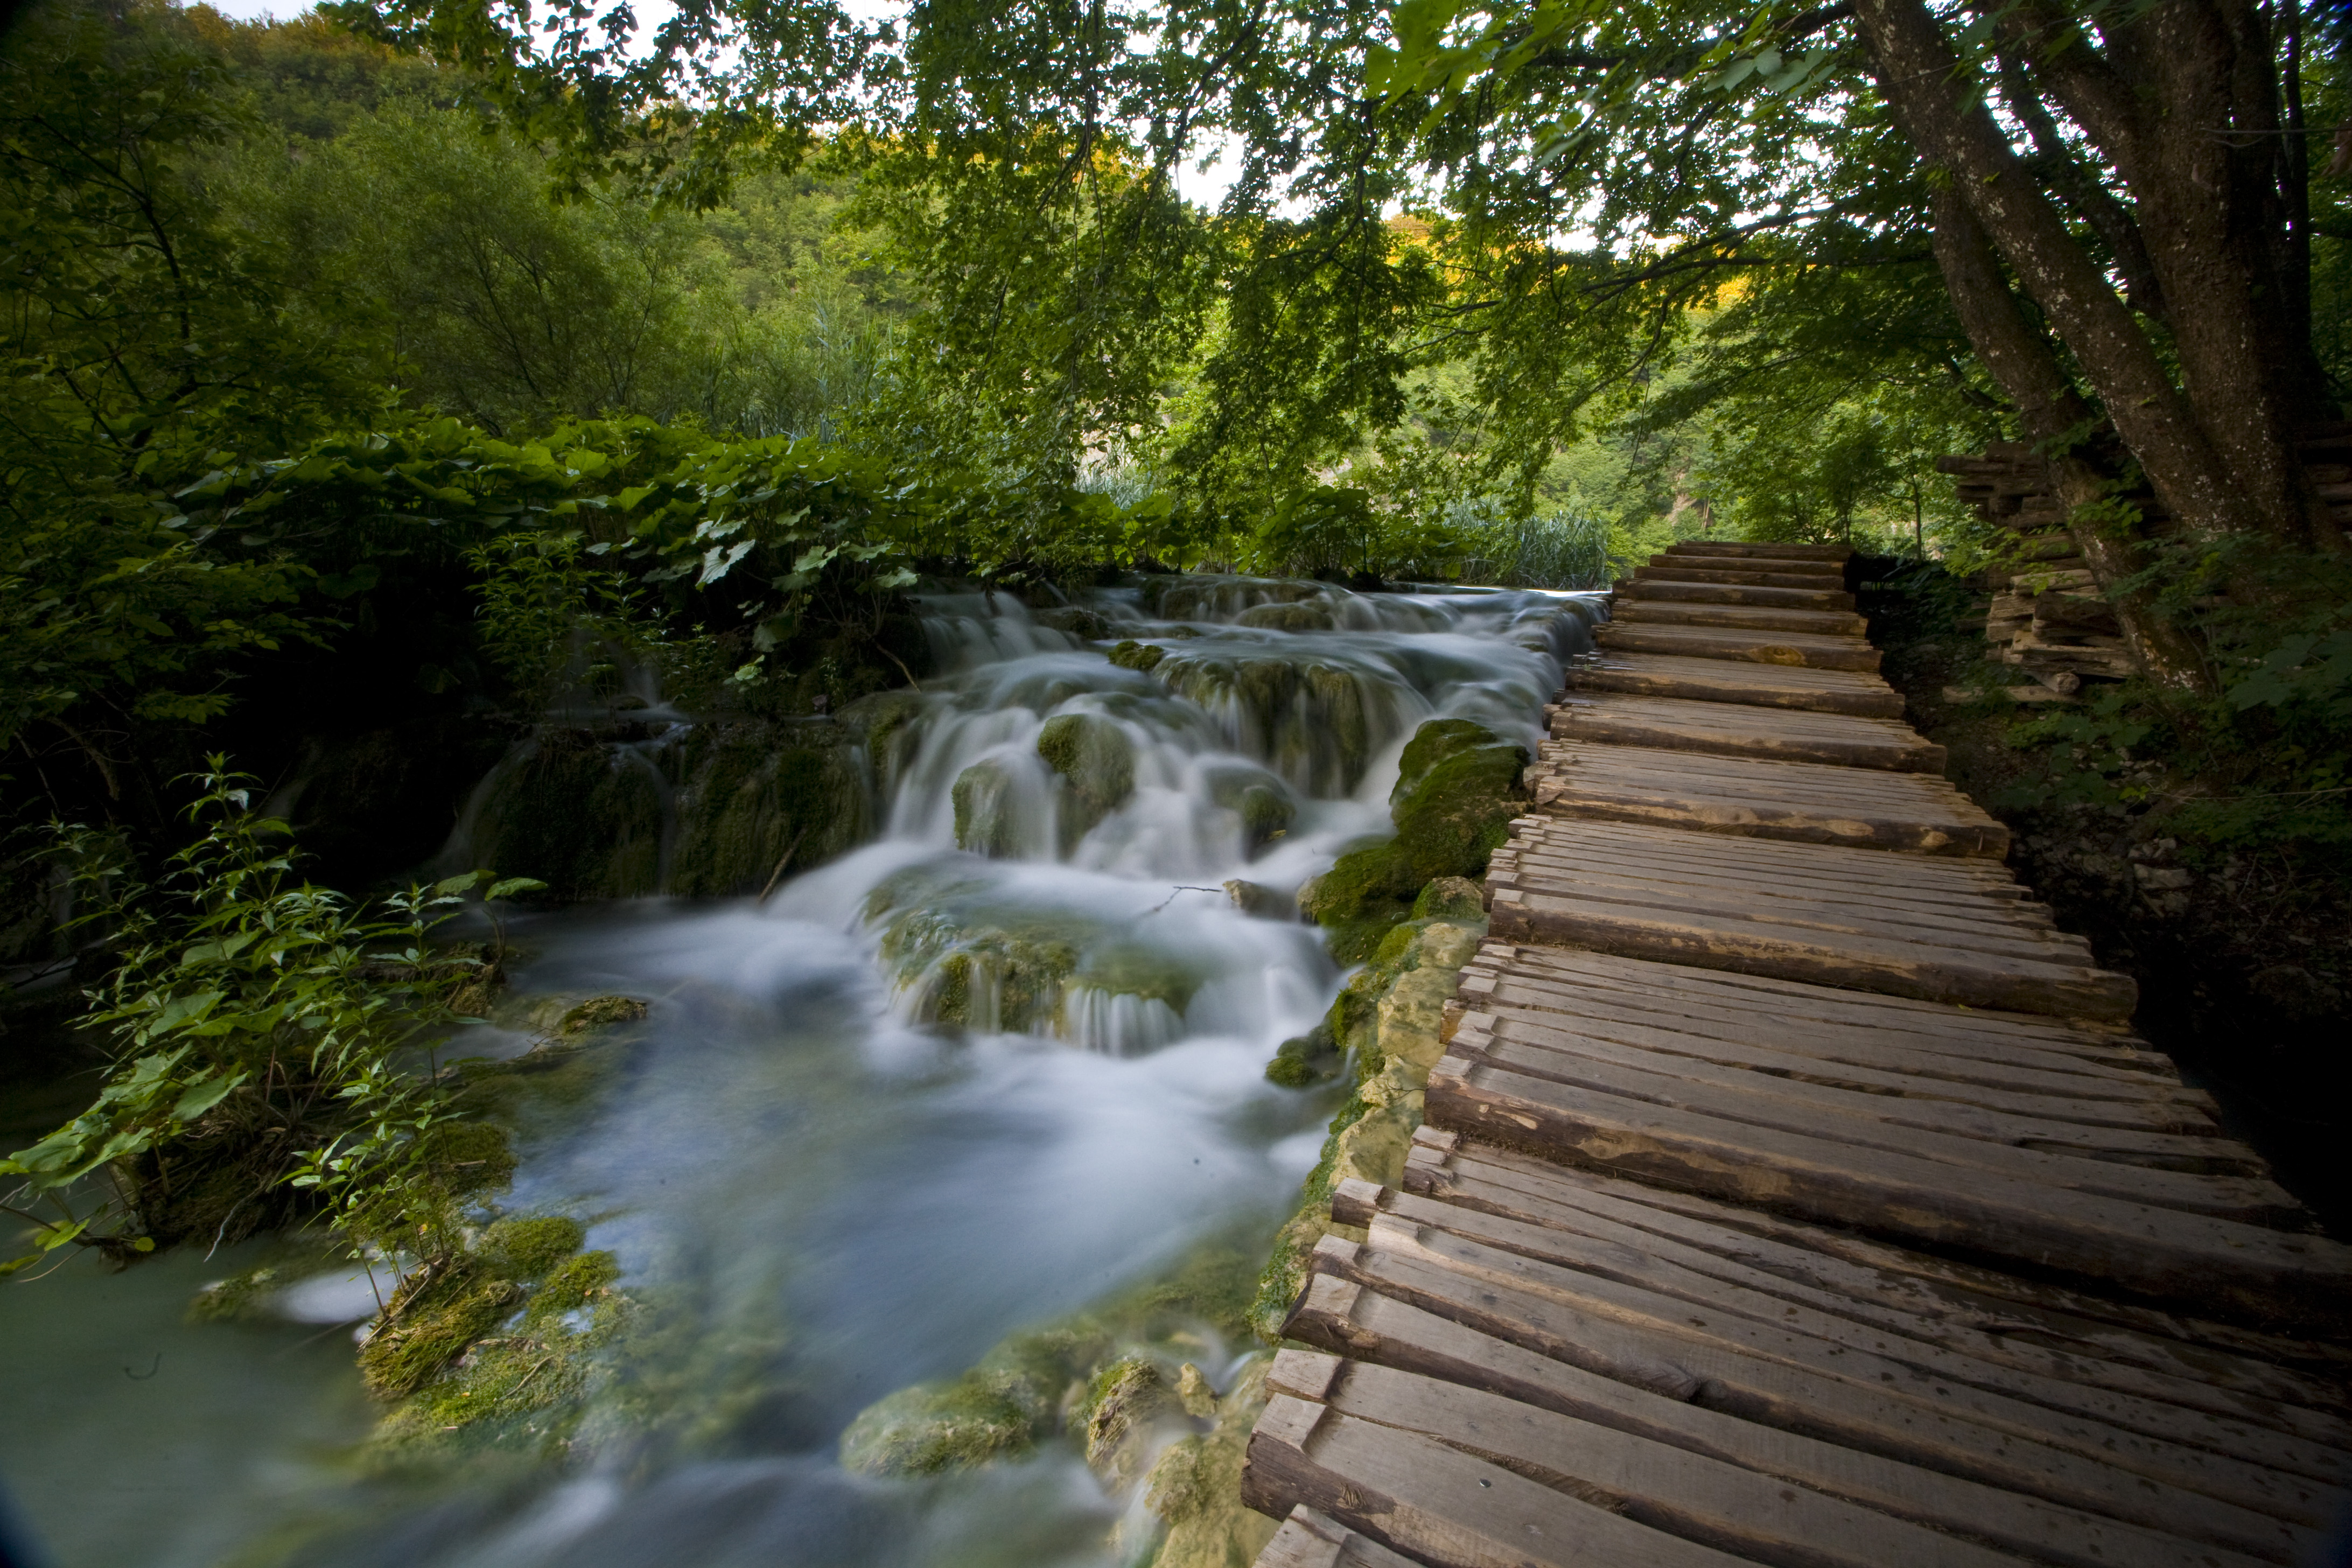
[
  {"x": 152, "y": 1368},
  {"x": 1180, "y": 888}
]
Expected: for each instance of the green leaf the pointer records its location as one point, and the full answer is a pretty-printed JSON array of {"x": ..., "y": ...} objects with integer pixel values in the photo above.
[{"x": 513, "y": 885}]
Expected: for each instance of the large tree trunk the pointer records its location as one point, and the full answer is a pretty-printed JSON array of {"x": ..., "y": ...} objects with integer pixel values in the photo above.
[
  {"x": 2049, "y": 408},
  {"x": 2178, "y": 100}
]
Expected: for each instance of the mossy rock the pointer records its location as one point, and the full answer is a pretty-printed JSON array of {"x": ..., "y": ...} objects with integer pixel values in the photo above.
[
  {"x": 528, "y": 1248},
  {"x": 1143, "y": 657},
  {"x": 579, "y": 813},
  {"x": 1125, "y": 1401},
  {"x": 1264, "y": 804},
  {"x": 571, "y": 1287},
  {"x": 1307, "y": 1060},
  {"x": 985, "y": 820},
  {"x": 755, "y": 801},
  {"x": 1073, "y": 620},
  {"x": 1306, "y": 616},
  {"x": 432, "y": 1328},
  {"x": 601, "y": 1011},
  {"x": 1195, "y": 1488},
  {"x": 1096, "y": 760},
  {"x": 1452, "y": 899},
  {"x": 1001, "y": 1408},
  {"x": 1458, "y": 786}
]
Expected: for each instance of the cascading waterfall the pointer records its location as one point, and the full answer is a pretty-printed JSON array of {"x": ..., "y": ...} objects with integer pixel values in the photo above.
[{"x": 999, "y": 1053}]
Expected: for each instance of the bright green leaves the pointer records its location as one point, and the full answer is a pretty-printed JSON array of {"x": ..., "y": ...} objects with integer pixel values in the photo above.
[{"x": 258, "y": 1019}]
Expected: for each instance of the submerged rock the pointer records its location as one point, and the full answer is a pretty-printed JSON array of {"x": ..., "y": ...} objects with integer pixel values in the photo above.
[
  {"x": 601, "y": 1011},
  {"x": 1128, "y": 1400},
  {"x": 1072, "y": 620},
  {"x": 1195, "y": 1490},
  {"x": 1140, "y": 657},
  {"x": 1096, "y": 762},
  {"x": 986, "y": 819}
]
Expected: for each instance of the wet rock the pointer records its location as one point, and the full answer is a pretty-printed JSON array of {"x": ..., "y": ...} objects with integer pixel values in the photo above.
[
  {"x": 1193, "y": 1392},
  {"x": 1457, "y": 789},
  {"x": 1306, "y": 1059},
  {"x": 1127, "y": 1402},
  {"x": 2299, "y": 995},
  {"x": 1195, "y": 1488},
  {"x": 999, "y": 1408},
  {"x": 1096, "y": 762},
  {"x": 1308, "y": 615},
  {"x": 986, "y": 822},
  {"x": 758, "y": 801},
  {"x": 1264, "y": 803},
  {"x": 601, "y": 1011},
  {"x": 1452, "y": 899},
  {"x": 1140, "y": 657},
  {"x": 1087, "y": 626},
  {"x": 1254, "y": 898}
]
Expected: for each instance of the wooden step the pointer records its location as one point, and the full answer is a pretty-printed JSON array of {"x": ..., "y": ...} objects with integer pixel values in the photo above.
[
  {"x": 1722, "y": 728},
  {"x": 1735, "y": 593},
  {"x": 1382, "y": 1323},
  {"x": 1741, "y": 618},
  {"x": 1726, "y": 680},
  {"x": 1836, "y": 552},
  {"x": 1771, "y": 908},
  {"x": 1673, "y": 565},
  {"x": 1806, "y": 650},
  {"x": 1312, "y": 1539},
  {"x": 1809, "y": 803},
  {"x": 1760, "y": 575}
]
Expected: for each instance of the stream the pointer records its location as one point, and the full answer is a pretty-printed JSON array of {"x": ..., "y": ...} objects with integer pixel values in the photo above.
[{"x": 1001, "y": 1059}]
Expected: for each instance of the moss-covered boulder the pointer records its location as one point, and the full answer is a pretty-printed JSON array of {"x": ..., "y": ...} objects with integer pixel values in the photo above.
[
  {"x": 1073, "y": 620},
  {"x": 1127, "y": 1402},
  {"x": 987, "y": 816},
  {"x": 1015, "y": 1395},
  {"x": 1458, "y": 787},
  {"x": 1305, "y": 616},
  {"x": 1306, "y": 1059},
  {"x": 1140, "y": 657},
  {"x": 600, "y": 1013},
  {"x": 1264, "y": 803},
  {"x": 756, "y": 802},
  {"x": 1195, "y": 1490},
  {"x": 580, "y": 810},
  {"x": 1095, "y": 760}
]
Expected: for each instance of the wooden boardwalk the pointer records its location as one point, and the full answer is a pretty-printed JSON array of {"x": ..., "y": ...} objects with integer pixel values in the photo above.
[{"x": 1792, "y": 1191}]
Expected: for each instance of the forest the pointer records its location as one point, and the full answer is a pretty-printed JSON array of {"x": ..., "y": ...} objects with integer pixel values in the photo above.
[{"x": 385, "y": 383}]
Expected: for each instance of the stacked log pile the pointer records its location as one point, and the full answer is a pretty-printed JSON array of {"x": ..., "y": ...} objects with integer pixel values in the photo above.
[{"x": 2048, "y": 616}]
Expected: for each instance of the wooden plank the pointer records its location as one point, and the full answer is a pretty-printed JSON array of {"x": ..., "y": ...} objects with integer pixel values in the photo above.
[
  {"x": 1312, "y": 1539},
  {"x": 2103, "y": 1044},
  {"x": 1724, "y": 729},
  {"x": 2122, "y": 1127},
  {"x": 1746, "y": 574},
  {"x": 2023, "y": 1334},
  {"x": 1760, "y": 1519},
  {"x": 1763, "y": 799},
  {"x": 1839, "y": 553},
  {"x": 1738, "y": 594},
  {"x": 1938, "y": 969},
  {"x": 2210, "y": 1264},
  {"x": 2100, "y": 1049},
  {"x": 1792, "y": 649},
  {"x": 1793, "y": 1399},
  {"x": 1725, "y": 680},
  {"x": 1860, "y": 1059},
  {"x": 1741, "y": 618},
  {"x": 2054, "y": 1400},
  {"x": 2266, "y": 1364},
  {"x": 1668, "y": 852},
  {"x": 1436, "y": 1504},
  {"x": 1539, "y": 859},
  {"x": 1368, "y": 1322},
  {"x": 1937, "y": 1131}
]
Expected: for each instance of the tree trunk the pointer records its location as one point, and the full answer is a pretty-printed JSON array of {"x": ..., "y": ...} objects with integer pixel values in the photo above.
[
  {"x": 2219, "y": 448},
  {"x": 2050, "y": 410}
]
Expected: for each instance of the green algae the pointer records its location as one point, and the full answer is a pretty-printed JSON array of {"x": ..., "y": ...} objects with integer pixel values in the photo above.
[
  {"x": 1457, "y": 789},
  {"x": 1143, "y": 657}
]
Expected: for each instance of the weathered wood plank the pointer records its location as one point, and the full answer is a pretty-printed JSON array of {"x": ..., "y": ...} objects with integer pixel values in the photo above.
[
  {"x": 1759, "y": 1519},
  {"x": 1741, "y": 618},
  {"x": 2022, "y": 1333},
  {"x": 1728, "y": 681},
  {"x": 1751, "y": 943},
  {"x": 1436, "y": 1504},
  {"x": 1770, "y": 800},
  {"x": 2118, "y": 1129},
  {"x": 1736, "y": 594},
  {"x": 1726, "y": 730},
  {"x": 1746, "y": 574},
  {"x": 1806, "y": 650},
  {"x": 1817, "y": 1328},
  {"x": 1371, "y": 1324},
  {"x": 1311, "y": 1540},
  {"x": 1794, "y": 1399},
  {"x": 1839, "y": 553},
  {"x": 2211, "y": 1264}
]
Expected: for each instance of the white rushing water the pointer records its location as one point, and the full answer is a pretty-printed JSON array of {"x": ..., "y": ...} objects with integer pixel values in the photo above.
[{"x": 922, "y": 1096}]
